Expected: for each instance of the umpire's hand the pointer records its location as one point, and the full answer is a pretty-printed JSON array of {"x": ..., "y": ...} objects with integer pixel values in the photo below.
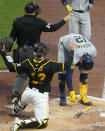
[{"x": 68, "y": 17}]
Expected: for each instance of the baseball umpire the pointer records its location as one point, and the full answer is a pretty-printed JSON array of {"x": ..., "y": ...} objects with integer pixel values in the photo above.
[
  {"x": 40, "y": 71},
  {"x": 84, "y": 55},
  {"x": 81, "y": 16},
  {"x": 27, "y": 30}
]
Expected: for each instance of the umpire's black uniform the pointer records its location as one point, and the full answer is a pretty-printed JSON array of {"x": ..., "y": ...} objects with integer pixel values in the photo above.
[{"x": 27, "y": 30}]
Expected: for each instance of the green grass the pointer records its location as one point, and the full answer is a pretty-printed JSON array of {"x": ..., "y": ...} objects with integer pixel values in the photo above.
[{"x": 9, "y": 11}]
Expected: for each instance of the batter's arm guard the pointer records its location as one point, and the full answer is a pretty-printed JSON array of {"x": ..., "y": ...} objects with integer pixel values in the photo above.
[
  {"x": 67, "y": 5},
  {"x": 69, "y": 8}
]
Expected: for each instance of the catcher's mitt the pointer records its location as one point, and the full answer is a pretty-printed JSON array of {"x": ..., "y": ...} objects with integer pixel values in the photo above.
[{"x": 7, "y": 42}]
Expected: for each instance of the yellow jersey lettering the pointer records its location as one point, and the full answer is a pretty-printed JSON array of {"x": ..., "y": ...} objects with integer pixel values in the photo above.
[{"x": 42, "y": 76}]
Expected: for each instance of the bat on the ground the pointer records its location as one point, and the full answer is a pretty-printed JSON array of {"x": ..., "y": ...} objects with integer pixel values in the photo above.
[{"x": 81, "y": 112}]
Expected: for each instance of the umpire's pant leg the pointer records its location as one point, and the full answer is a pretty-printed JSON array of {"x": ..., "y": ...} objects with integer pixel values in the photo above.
[{"x": 19, "y": 82}]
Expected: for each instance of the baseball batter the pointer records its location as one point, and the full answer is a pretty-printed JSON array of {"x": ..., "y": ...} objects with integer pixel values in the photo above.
[
  {"x": 84, "y": 54},
  {"x": 40, "y": 72},
  {"x": 81, "y": 16}
]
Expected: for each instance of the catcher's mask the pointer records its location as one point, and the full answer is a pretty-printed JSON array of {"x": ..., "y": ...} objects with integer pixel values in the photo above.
[
  {"x": 87, "y": 62},
  {"x": 31, "y": 7},
  {"x": 40, "y": 49}
]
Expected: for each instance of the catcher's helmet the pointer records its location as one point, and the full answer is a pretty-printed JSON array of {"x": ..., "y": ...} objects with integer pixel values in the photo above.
[
  {"x": 87, "y": 62},
  {"x": 31, "y": 7},
  {"x": 40, "y": 49}
]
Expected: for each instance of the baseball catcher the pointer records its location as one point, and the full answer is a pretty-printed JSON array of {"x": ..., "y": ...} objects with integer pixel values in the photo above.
[
  {"x": 40, "y": 72},
  {"x": 26, "y": 31}
]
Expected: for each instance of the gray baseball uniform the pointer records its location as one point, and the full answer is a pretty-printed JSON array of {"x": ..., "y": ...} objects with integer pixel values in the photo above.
[
  {"x": 81, "y": 17},
  {"x": 82, "y": 46}
]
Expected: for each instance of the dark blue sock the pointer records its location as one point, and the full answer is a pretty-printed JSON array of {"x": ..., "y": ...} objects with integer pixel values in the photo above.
[
  {"x": 61, "y": 79},
  {"x": 69, "y": 74}
]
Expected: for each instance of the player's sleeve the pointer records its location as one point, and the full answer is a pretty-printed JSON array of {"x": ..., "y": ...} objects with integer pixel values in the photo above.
[
  {"x": 23, "y": 67},
  {"x": 64, "y": 2},
  {"x": 8, "y": 64},
  {"x": 57, "y": 67},
  {"x": 48, "y": 27},
  {"x": 91, "y": 2}
]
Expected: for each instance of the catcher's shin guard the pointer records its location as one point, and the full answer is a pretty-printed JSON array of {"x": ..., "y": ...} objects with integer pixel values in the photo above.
[
  {"x": 83, "y": 95},
  {"x": 72, "y": 96},
  {"x": 31, "y": 123}
]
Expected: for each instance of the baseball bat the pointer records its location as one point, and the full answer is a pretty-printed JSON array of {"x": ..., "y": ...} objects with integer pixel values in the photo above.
[{"x": 81, "y": 112}]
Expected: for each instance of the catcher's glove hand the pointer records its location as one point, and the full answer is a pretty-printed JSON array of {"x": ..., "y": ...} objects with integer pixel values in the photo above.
[{"x": 6, "y": 42}]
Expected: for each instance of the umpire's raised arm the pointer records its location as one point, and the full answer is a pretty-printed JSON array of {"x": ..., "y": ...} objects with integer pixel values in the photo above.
[{"x": 54, "y": 27}]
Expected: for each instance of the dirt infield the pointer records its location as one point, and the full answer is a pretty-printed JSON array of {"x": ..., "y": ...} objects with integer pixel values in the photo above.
[{"x": 91, "y": 120}]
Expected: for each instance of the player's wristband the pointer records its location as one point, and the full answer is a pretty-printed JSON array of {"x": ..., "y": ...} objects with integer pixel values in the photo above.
[{"x": 69, "y": 8}]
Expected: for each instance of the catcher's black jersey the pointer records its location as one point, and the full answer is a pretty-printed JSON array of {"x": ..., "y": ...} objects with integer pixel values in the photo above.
[{"x": 41, "y": 72}]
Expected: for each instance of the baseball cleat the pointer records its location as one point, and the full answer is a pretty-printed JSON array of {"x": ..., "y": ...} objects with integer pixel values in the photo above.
[
  {"x": 85, "y": 101},
  {"x": 63, "y": 101}
]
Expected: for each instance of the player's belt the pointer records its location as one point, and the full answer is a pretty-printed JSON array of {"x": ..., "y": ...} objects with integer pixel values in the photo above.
[{"x": 79, "y": 11}]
